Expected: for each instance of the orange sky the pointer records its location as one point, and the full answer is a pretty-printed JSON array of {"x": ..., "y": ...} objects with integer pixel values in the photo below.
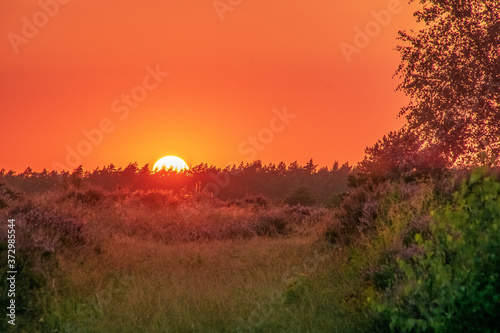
[{"x": 225, "y": 79}]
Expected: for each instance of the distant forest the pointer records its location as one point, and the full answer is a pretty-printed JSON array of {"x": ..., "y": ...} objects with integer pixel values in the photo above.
[{"x": 293, "y": 183}]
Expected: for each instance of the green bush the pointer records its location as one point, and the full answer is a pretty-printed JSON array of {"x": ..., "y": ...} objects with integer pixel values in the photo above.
[
  {"x": 29, "y": 307},
  {"x": 454, "y": 286}
]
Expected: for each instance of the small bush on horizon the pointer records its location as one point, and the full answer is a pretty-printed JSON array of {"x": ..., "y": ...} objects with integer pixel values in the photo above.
[{"x": 254, "y": 201}]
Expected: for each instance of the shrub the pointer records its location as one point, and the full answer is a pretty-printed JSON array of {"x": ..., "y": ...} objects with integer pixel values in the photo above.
[
  {"x": 7, "y": 196},
  {"x": 357, "y": 213},
  {"x": 29, "y": 306},
  {"x": 89, "y": 197},
  {"x": 271, "y": 223},
  {"x": 157, "y": 198},
  {"x": 454, "y": 286},
  {"x": 8, "y": 193},
  {"x": 402, "y": 154},
  {"x": 43, "y": 229},
  {"x": 301, "y": 196},
  {"x": 258, "y": 201},
  {"x": 335, "y": 200}
]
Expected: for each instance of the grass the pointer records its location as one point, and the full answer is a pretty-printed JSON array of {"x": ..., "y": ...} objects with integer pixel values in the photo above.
[
  {"x": 155, "y": 262},
  {"x": 255, "y": 285}
]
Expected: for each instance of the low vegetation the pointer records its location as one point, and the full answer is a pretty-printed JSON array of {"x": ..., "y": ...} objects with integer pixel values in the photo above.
[{"x": 397, "y": 255}]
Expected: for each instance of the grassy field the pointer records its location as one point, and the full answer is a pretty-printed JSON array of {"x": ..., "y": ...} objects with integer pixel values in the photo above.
[
  {"x": 156, "y": 262},
  {"x": 256, "y": 285}
]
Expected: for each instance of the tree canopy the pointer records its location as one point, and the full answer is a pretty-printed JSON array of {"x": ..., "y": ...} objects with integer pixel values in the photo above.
[{"x": 451, "y": 72}]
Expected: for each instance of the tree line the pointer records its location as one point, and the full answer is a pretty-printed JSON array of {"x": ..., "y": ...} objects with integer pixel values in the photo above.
[{"x": 273, "y": 181}]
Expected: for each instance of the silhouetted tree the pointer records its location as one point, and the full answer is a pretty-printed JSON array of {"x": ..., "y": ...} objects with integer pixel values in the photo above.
[
  {"x": 76, "y": 177},
  {"x": 335, "y": 166},
  {"x": 43, "y": 174},
  {"x": 323, "y": 170},
  {"x": 401, "y": 153},
  {"x": 451, "y": 72},
  {"x": 131, "y": 169},
  {"x": 310, "y": 167},
  {"x": 27, "y": 173},
  {"x": 294, "y": 166},
  {"x": 281, "y": 168}
]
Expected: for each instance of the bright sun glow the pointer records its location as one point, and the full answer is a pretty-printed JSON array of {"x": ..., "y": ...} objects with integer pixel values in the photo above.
[{"x": 170, "y": 161}]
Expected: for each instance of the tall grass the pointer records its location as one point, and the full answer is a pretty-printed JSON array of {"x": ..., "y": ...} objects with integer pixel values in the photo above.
[{"x": 151, "y": 261}]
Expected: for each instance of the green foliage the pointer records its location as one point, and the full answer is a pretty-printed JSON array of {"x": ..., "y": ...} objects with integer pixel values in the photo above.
[
  {"x": 296, "y": 290},
  {"x": 454, "y": 286},
  {"x": 28, "y": 283},
  {"x": 384, "y": 277}
]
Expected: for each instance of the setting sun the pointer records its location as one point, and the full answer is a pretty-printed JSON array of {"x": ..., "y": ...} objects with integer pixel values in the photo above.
[{"x": 168, "y": 162}]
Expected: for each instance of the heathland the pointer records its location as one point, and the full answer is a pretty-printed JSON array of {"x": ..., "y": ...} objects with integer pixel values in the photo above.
[{"x": 416, "y": 252}]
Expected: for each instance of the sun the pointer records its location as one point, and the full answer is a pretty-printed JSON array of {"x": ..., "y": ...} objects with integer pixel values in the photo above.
[{"x": 168, "y": 162}]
